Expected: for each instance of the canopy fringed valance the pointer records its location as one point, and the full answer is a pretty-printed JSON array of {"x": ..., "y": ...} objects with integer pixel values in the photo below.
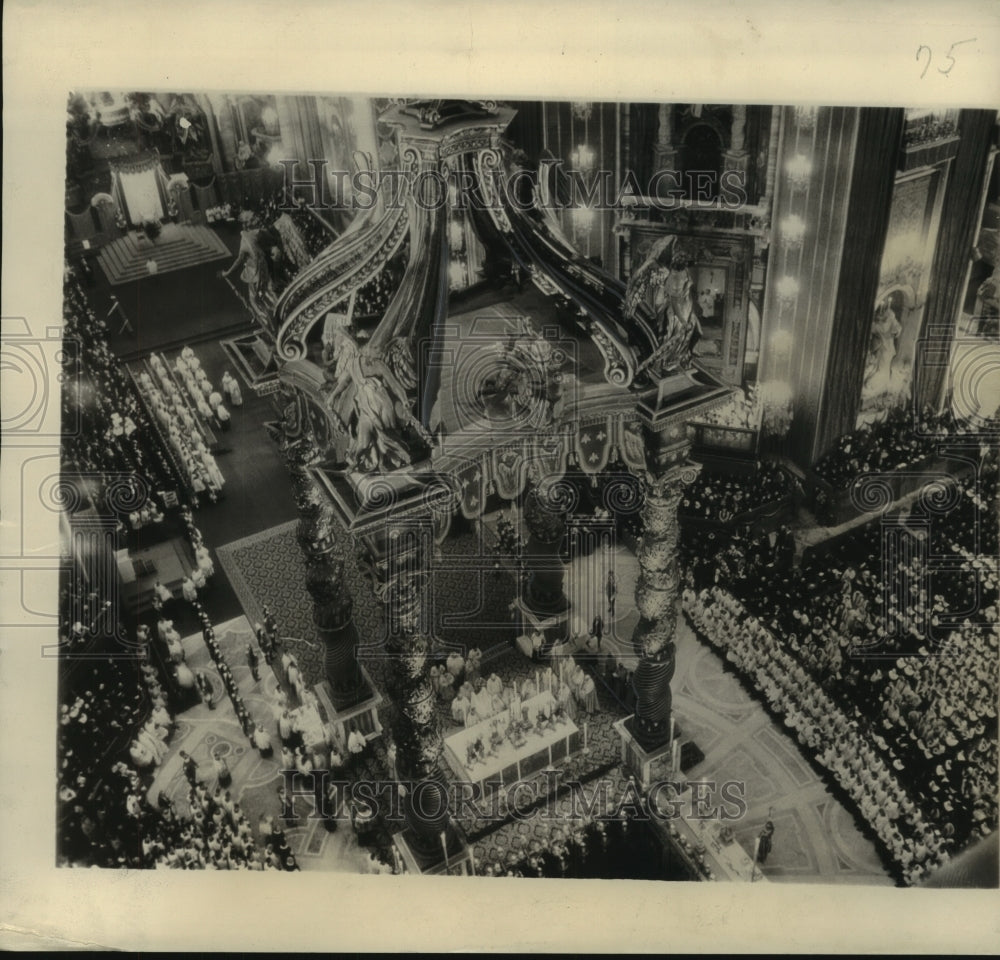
[{"x": 507, "y": 470}]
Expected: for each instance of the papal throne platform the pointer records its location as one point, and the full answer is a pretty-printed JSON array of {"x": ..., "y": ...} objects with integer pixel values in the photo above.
[{"x": 178, "y": 246}]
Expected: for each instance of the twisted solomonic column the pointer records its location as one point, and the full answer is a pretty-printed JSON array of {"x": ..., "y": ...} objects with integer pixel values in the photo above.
[
  {"x": 414, "y": 722},
  {"x": 333, "y": 605},
  {"x": 656, "y": 596}
]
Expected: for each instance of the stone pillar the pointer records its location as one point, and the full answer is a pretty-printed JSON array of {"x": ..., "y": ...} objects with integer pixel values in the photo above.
[
  {"x": 227, "y": 135},
  {"x": 736, "y": 155},
  {"x": 212, "y": 121},
  {"x": 773, "y": 145},
  {"x": 656, "y": 596},
  {"x": 301, "y": 136},
  {"x": 665, "y": 153}
]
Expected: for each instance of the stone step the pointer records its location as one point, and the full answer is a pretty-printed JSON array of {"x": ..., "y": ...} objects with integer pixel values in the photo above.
[{"x": 178, "y": 247}]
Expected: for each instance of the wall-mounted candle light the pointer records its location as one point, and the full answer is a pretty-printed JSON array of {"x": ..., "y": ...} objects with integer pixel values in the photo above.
[
  {"x": 791, "y": 230},
  {"x": 787, "y": 289},
  {"x": 799, "y": 169}
]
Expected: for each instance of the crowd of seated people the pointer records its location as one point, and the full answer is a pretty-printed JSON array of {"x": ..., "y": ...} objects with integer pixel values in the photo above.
[
  {"x": 907, "y": 644},
  {"x": 314, "y": 236},
  {"x": 609, "y": 845},
  {"x": 831, "y": 736},
  {"x": 84, "y": 616},
  {"x": 891, "y": 444},
  {"x": 108, "y": 433},
  {"x": 114, "y": 824},
  {"x": 739, "y": 556},
  {"x": 723, "y": 496},
  {"x": 741, "y": 410},
  {"x": 105, "y": 716},
  {"x": 205, "y": 398}
]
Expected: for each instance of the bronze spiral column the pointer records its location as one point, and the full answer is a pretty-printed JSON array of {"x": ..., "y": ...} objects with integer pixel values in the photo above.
[
  {"x": 414, "y": 721},
  {"x": 656, "y": 595},
  {"x": 325, "y": 580}
]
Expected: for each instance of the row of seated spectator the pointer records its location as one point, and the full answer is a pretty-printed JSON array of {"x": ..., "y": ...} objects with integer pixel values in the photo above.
[
  {"x": 903, "y": 637},
  {"x": 827, "y": 732},
  {"x": 106, "y": 707},
  {"x": 895, "y": 443},
  {"x": 741, "y": 410},
  {"x": 107, "y": 436},
  {"x": 723, "y": 496}
]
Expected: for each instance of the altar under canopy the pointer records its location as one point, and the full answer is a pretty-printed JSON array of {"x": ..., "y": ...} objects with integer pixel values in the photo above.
[{"x": 510, "y": 762}]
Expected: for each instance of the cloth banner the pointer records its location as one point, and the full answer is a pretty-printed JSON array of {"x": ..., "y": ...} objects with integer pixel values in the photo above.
[
  {"x": 472, "y": 480},
  {"x": 548, "y": 458},
  {"x": 510, "y": 472},
  {"x": 594, "y": 444},
  {"x": 631, "y": 446}
]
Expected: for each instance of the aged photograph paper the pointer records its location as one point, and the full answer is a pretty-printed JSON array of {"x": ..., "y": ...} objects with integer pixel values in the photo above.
[{"x": 421, "y": 510}]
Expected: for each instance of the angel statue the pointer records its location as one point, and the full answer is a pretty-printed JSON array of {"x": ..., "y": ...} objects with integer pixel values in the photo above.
[
  {"x": 367, "y": 393},
  {"x": 664, "y": 286},
  {"x": 256, "y": 272}
]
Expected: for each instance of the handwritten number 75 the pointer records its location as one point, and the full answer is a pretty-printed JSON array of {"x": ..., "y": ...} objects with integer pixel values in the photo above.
[{"x": 924, "y": 49}]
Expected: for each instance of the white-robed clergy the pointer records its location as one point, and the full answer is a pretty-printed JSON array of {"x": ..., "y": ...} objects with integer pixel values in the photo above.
[
  {"x": 204, "y": 559},
  {"x": 189, "y": 591},
  {"x": 162, "y": 592},
  {"x": 231, "y": 388}
]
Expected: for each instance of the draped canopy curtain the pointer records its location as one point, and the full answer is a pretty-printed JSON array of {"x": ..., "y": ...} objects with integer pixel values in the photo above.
[{"x": 139, "y": 186}]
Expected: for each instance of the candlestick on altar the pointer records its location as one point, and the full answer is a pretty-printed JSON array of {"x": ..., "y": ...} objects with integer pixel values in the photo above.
[
  {"x": 550, "y": 754},
  {"x": 585, "y": 725},
  {"x": 395, "y": 859},
  {"x": 444, "y": 848},
  {"x": 753, "y": 866},
  {"x": 672, "y": 721}
]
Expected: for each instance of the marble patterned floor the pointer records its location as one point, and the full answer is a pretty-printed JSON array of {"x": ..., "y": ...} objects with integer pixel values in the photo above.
[
  {"x": 203, "y": 732},
  {"x": 816, "y": 839}
]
